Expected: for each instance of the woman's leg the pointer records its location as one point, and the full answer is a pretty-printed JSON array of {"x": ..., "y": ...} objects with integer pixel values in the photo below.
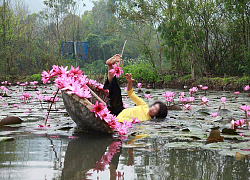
[{"x": 115, "y": 104}]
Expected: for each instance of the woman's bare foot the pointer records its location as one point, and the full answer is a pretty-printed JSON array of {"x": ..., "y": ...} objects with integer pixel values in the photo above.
[{"x": 114, "y": 59}]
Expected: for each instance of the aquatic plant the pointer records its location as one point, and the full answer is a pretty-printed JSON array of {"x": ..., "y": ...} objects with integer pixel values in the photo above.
[
  {"x": 40, "y": 98},
  {"x": 135, "y": 120},
  {"x": 205, "y": 89},
  {"x": 147, "y": 96},
  {"x": 204, "y": 101},
  {"x": 187, "y": 106},
  {"x": 245, "y": 108},
  {"x": 191, "y": 99},
  {"x": 236, "y": 93},
  {"x": 246, "y": 88},
  {"x": 193, "y": 90},
  {"x": 223, "y": 99},
  {"x": 169, "y": 97},
  {"x": 239, "y": 123},
  {"x": 139, "y": 85}
]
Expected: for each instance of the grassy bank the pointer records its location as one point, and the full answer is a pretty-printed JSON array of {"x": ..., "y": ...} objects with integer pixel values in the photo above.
[{"x": 167, "y": 81}]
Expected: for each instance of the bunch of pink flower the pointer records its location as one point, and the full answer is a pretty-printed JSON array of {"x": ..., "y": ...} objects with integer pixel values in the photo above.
[
  {"x": 246, "y": 109},
  {"x": 169, "y": 97},
  {"x": 193, "y": 90},
  {"x": 74, "y": 82},
  {"x": 4, "y": 89},
  {"x": 103, "y": 113}
]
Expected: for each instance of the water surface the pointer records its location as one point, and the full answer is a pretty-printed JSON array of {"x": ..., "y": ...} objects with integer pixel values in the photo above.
[{"x": 174, "y": 148}]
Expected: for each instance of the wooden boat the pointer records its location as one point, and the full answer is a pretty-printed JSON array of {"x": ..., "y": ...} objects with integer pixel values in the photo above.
[{"x": 79, "y": 110}]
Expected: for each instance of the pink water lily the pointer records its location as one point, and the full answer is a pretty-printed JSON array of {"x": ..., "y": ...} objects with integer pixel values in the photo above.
[
  {"x": 236, "y": 93},
  {"x": 147, "y": 96},
  {"x": 204, "y": 87},
  {"x": 191, "y": 99},
  {"x": 169, "y": 99},
  {"x": 183, "y": 99},
  {"x": 15, "y": 105},
  {"x": 97, "y": 108},
  {"x": 45, "y": 77},
  {"x": 168, "y": 94},
  {"x": 105, "y": 115},
  {"x": 245, "y": 108},
  {"x": 54, "y": 99},
  {"x": 122, "y": 128},
  {"x": 75, "y": 72},
  {"x": 22, "y": 98},
  {"x": 239, "y": 122},
  {"x": 187, "y": 106},
  {"x": 135, "y": 120},
  {"x": 214, "y": 114},
  {"x": 223, "y": 99},
  {"x": 193, "y": 90},
  {"x": 26, "y": 95},
  {"x": 47, "y": 98},
  {"x": 139, "y": 85},
  {"x": 182, "y": 94},
  {"x": 246, "y": 88},
  {"x": 117, "y": 71},
  {"x": 204, "y": 101},
  {"x": 83, "y": 93}
]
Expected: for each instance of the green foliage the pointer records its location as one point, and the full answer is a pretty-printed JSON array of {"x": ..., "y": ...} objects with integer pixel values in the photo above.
[
  {"x": 36, "y": 77},
  {"x": 97, "y": 67},
  {"x": 174, "y": 34},
  {"x": 170, "y": 77},
  {"x": 187, "y": 77},
  {"x": 15, "y": 71},
  {"x": 141, "y": 72},
  {"x": 245, "y": 80}
]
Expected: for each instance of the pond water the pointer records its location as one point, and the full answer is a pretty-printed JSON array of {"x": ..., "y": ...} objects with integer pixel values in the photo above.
[{"x": 174, "y": 148}]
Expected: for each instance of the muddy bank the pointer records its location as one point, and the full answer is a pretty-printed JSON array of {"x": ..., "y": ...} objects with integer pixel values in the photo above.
[
  {"x": 218, "y": 84},
  {"x": 213, "y": 83}
]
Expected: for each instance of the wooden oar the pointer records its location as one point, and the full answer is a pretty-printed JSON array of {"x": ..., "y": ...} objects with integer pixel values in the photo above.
[{"x": 123, "y": 50}]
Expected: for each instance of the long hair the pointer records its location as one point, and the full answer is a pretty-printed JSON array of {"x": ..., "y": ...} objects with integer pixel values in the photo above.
[{"x": 163, "y": 111}]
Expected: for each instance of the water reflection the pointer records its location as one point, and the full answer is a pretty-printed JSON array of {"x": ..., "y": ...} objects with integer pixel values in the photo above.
[
  {"x": 91, "y": 152},
  {"x": 158, "y": 162}
]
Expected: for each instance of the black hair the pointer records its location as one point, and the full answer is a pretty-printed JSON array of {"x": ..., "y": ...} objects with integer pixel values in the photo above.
[{"x": 163, "y": 111}]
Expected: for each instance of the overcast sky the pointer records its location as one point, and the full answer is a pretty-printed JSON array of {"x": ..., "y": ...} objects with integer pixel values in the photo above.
[{"x": 37, "y": 5}]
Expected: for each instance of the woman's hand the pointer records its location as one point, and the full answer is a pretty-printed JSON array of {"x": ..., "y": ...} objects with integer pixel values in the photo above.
[
  {"x": 129, "y": 77},
  {"x": 129, "y": 80}
]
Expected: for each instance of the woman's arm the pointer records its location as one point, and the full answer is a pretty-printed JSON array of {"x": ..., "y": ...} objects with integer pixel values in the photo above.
[
  {"x": 138, "y": 101},
  {"x": 129, "y": 80}
]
